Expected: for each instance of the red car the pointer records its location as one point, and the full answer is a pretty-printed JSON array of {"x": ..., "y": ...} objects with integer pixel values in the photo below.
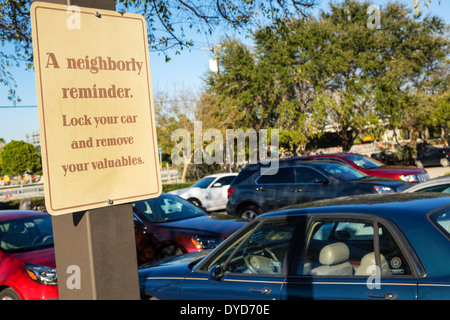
[
  {"x": 373, "y": 167},
  {"x": 164, "y": 226},
  {"x": 27, "y": 259},
  {"x": 169, "y": 225}
]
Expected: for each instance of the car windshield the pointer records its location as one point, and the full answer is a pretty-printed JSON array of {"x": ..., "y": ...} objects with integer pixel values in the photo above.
[
  {"x": 167, "y": 208},
  {"x": 341, "y": 171},
  {"x": 203, "y": 183},
  {"x": 364, "y": 162},
  {"x": 26, "y": 234}
]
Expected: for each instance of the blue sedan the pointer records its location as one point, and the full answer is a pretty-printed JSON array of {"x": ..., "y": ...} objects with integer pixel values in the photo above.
[{"x": 392, "y": 246}]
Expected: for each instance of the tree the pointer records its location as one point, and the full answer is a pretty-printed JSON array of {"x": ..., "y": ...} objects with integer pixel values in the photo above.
[
  {"x": 18, "y": 157},
  {"x": 169, "y": 23},
  {"x": 411, "y": 74},
  {"x": 333, "y": 73}
]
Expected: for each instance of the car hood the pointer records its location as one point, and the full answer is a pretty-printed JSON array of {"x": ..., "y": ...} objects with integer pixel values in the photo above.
[
  {"x": 213, "y": 224},
  {"x": 392, "y": 183},
  {"x": 397, "y": 170},
  {"x": 174, "y": 266},
  {"x": 44, "y": 257},
  {"x": 179, "y": 192}
]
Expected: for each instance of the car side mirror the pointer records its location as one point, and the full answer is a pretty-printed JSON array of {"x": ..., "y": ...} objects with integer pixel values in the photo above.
[
  {"x": 321, "y": 181},
  {"x": 217, "y": 185},
  {"x": 216, "y": 272},
  {"x": 139, "y": 224}
]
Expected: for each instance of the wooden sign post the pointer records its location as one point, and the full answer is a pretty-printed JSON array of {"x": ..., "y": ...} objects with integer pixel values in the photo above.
[{"x": 98, "y": 140}]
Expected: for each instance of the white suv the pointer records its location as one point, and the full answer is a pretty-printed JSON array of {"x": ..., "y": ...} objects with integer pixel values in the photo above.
[{"x": 209, "y": 192}]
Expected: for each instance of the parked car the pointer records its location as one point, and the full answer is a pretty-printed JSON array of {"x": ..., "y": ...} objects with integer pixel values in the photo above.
[
  {"x": 441, "y": 184},
  {"x": 299, "y": 181},
  {"x": 164, "y": 226},
  {"x": 168, "y": 225},
  {"x": 386, "y": 156},
  {"x": 374, "y": 167},
  {"x": 210, "y": 192},
  {"x": 372, "y": 247},
  {"x": 27, "y": 258},
  {"x": 434, "y": 157}
]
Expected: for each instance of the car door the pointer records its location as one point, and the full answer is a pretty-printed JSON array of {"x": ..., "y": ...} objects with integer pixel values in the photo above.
[
  {"x": 276, "y": 190},
  {"x": 310, "y": 185},
  {"x": 431, "y": 157},
  {"x": 216, "y": 194},
  {"x": 252, "y": 266},
  {"x": 346, "y": 259}
]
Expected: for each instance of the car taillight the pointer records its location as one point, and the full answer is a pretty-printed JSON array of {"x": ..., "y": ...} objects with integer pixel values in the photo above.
[{"x": 230, "y": 192}]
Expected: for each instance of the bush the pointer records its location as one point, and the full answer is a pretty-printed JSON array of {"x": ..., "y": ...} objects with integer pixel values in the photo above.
[
  {"x": 36, "y": 202},
  {"x": 176, "y": 186}
]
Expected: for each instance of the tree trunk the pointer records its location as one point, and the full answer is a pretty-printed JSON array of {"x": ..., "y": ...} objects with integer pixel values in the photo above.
[
  {"x": 346, "y": 140},
  {"x": 413, "y": 143}
]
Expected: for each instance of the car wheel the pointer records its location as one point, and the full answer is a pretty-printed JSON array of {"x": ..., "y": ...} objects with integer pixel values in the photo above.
[
  {"x": 444, "y": 162},
  {"x": 419, "y": 164},
  {"x": 195, "y": 202},
  {"x": 169, "y": 251},
  {"x": 9, "y": 294},
  {"x": 250, "y": 212}
]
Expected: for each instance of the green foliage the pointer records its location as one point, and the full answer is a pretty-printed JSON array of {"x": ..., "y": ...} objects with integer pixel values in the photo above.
[
  {"x": 171, "y": 24},
  {"x": 175, "y": 186},
  {"x": 36, "y": 202},
  {"x": 18, "y": 157},
  {"x": 333, "y": 72}
]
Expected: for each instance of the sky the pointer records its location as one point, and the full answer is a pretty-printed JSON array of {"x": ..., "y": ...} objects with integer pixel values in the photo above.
[{"x": 184, "y": 71}]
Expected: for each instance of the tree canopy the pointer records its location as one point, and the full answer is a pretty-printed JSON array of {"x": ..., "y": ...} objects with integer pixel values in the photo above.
[
  {"x": 18, "y": 157},
  {"x": 171, "y": 24},
  {"x": 334, "y": 73}
]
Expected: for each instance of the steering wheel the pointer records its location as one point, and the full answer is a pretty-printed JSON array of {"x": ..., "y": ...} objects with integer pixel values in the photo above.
[
  {"x": 255, "y": 263},
  {"x": 42, "y": 238}
]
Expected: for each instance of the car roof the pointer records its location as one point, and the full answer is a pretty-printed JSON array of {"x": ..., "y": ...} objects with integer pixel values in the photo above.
[
  {"x": 217, "y": 175},
  {"x": 6, "y": 215},
  {"x": 338, "y": 155},
  {"x": 388, "y": 205},
  {"x": 294, "y": 161}
]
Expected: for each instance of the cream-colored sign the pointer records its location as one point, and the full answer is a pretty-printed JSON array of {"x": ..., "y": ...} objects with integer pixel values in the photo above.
[{"x": 98, "y": 135}]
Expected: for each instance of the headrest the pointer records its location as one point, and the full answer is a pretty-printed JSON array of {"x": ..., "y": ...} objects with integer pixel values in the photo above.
[
  {"x": 368, "y": 261},
  {"x": 334, "y": 253}
]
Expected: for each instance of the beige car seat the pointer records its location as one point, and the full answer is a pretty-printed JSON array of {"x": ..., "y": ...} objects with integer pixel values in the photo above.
[{"x": 334, "y": 259}]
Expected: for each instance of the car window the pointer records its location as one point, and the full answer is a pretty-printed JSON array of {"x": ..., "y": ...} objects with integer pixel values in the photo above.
[
  {"x": 282, "y": 176},
  {"x": 308, "y": 175},
  {"x": 262, "y": 250},
  {"x": 347, "y": 248},
  {"x": 444, "y": 188},
  {"x": 341, "y": 171},
  {"x": 203, "y": 183},
  {"x": 167, "y": 208},
  {"x": 26, "y": 234},
  {"x": 442, "y": 221},
  {"x": 225, "y": 181},
  {"x": 363, "y": 162}
]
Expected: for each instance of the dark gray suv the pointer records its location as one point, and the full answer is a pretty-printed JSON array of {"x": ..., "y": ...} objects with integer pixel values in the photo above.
[{"x": 293, "y": 182}]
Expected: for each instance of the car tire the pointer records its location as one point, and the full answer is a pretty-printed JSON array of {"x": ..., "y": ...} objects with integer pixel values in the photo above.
[
  {"x": 249, "y": 212},
  {"x": 419, "y": 164},
  {"x": 195, "y": 202},
  {"x": 9, "y": 294},
  {"x": 444, "y": 162}
]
